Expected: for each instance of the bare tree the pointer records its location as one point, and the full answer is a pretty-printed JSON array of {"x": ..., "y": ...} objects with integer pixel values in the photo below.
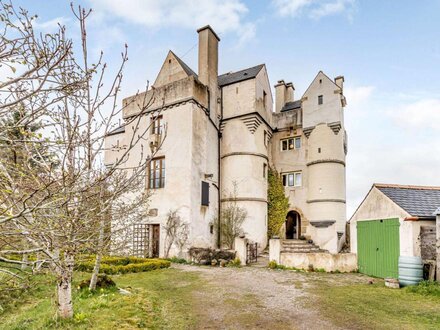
[
  {"x": 58, "y": 199},
  {"x": 176, "y": 232},
  {"x": 231, "y": 220}
]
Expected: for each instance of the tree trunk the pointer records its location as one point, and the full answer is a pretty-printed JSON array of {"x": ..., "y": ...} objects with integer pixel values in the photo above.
[
  {"x": 64, "y": 288},
  {"x": 24, "y": 258},
  {"x": 94, "y": 279},
  {"x": 100, "y": 247},
  {"x": 65, "y": 306}
]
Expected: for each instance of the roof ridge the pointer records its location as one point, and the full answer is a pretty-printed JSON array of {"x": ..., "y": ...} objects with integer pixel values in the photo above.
[
  {"x": 251, "y": 67},
  {"x": 401, "y": 186}
]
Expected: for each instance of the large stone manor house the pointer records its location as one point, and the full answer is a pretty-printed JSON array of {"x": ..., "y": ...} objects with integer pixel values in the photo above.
[{"x": 222, "y": 134}]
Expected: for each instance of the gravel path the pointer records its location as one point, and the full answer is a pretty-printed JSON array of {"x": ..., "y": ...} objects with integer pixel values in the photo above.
[{"x": 260, "y": 298}]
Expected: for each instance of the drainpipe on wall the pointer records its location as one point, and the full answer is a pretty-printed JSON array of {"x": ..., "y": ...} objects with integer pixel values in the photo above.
[
  {"x": 437, "y": 246},
  {"x": 219, "y": 171}
]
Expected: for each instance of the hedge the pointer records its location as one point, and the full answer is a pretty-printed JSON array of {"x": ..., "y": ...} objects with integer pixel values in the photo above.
[{"x": 123, "y": 265}]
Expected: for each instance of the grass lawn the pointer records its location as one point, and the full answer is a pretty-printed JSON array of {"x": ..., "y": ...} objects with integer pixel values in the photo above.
[
  {"x": 160, "y": 299},
  {"x": 373, "y": 306},
  {"x": 195, "y": 298}
]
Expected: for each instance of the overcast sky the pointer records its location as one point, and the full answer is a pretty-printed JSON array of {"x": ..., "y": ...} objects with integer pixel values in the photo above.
[{"x": 388, "y": 51}]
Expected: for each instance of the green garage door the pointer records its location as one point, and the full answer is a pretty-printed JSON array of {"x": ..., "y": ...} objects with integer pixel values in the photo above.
[{"x": 378, "y": 247}]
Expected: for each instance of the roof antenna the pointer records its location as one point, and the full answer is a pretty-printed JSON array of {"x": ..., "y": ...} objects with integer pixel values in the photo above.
[{"x": 189, "y": 50}]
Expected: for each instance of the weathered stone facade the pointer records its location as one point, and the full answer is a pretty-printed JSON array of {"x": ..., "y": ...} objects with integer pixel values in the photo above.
[{"x": 223, "y": 131}]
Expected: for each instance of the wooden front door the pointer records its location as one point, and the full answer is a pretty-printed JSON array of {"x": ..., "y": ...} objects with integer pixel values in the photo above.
[{"x": 156, "y": 241}]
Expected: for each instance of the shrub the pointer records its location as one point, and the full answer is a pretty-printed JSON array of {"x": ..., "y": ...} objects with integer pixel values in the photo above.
[
  {"x": 278, "y": 203},
  {"x": 123, "y": 265},
  {"x": 234, "y": 263},
  {"x": 273, "y": 264},
  {"x": 104, "y": 282},
  {"x": 425, "y": 288},
  {"x": 177, "y": 260}
]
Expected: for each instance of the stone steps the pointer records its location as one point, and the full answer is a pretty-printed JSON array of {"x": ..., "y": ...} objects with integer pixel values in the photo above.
[{"x": 299, "y": 246}]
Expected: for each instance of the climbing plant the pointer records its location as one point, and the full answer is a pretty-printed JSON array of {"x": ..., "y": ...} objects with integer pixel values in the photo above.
[{"x": 278, "y": 203}]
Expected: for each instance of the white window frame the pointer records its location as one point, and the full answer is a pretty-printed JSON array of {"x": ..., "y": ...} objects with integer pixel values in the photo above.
[
  {"x": 294, "y": 177},
  {"x": 293, "y": 139}
]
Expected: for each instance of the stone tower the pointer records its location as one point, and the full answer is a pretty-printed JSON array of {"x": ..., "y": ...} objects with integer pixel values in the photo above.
[
  {"x": 323, "y": 126},
  {"x": 244, "y": 152}
]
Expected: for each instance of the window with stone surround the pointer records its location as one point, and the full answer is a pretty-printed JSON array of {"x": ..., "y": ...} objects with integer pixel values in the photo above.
[
  {"x": 157, "y": 125},
  {"x": 291, "y": 143},
  {"x": 156, "y": 173}
]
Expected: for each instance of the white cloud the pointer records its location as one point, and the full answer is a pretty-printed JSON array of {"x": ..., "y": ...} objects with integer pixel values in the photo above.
[
  {"x": 424, "y": 113},
  {"x": 223, "y": 15},
  {"x": 315, "y": 9},
  {"x": 386, "y": 145},
  {"x": 358, "y": 96},
  {"x": 50, "y": 25}
]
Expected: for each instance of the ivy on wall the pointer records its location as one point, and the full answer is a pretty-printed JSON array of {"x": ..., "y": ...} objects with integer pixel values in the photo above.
[{"x": 278, "y": 203}]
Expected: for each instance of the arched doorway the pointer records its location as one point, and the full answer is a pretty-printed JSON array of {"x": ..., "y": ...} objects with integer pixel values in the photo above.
[{"x": 293, "y": 225}]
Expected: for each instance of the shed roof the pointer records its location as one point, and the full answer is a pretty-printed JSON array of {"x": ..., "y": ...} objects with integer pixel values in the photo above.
[
  {"x": 418, "y": 201},
  {"x": 234, "y": 77}
]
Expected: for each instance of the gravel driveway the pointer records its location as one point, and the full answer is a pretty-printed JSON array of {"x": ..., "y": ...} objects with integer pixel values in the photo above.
[{"x": 260, "y": 298}]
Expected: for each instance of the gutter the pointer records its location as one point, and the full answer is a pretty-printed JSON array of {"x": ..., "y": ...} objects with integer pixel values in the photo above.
[{"x": 420, "y": 218}]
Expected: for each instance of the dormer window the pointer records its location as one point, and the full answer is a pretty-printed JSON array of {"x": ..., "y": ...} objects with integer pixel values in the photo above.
[{"x": 320, "y": 99}]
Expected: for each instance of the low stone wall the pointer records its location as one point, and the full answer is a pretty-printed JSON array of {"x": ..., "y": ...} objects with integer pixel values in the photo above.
[{"x": 343, "y": 262}]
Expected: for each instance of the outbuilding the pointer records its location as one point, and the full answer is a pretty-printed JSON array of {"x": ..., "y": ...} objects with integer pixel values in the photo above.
[{"x": 392, "y": 221}]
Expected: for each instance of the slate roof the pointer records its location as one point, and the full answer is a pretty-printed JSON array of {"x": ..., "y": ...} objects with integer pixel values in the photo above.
[
  {"x": 185, "y": 67},
  {"x": 120, "y": 129},
  {"x": 418, "y": 201},
  {"x": 242, "y": 75},
  {"x": 291, "y": 105}
]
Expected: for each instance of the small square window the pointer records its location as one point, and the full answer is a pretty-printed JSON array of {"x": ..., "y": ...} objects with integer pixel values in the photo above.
[
  {"x": 320, "y": 99},
  {"x": 284, "y": 145},
  {"x": 291, "y": 144}
]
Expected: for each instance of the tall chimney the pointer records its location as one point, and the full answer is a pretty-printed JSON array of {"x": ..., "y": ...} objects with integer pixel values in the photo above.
[
  {"x": 339, "y": 80},
  {"x": 280, "y": 95},
  {"x": 290, "y": 92},
  {"x": 208, "y": 57}
]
